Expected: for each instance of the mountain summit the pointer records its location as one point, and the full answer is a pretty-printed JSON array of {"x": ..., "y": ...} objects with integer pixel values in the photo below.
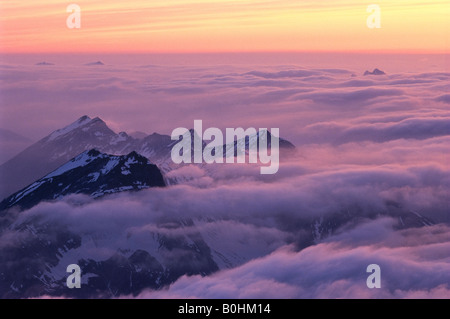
[
  {"x": 80, "y": 122},
  {"x": 95, "y": 63},
  {"x": 374, "y": 72},
  {"x": 92, "y": 173},
  {"x": 56, "y": 149}
]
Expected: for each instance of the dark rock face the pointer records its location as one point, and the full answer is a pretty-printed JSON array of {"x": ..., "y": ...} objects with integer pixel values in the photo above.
[
  {"x": 37, "y": 266},
  {"x": 92, "y": 173}
]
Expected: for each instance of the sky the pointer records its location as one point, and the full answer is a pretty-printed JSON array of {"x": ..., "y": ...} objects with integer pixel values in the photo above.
[{"x": 417, "y": 26}]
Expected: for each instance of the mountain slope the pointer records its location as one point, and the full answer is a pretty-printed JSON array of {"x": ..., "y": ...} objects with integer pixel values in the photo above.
[
  {"x": 92, "y": 173},
  {"x": 11, "y": 143},
  {"x": 54, "y": 150},
  {"x": 152, "y": 259}
]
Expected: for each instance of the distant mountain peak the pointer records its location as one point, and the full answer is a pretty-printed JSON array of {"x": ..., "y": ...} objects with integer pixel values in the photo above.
[
  {"x": 86, "y": 124},
  {"x": 78, "y": 123},
  {"x": 44, "y": 63},
  {"x": 95, "y": 63},
  {"x": 138, "y": 135},
  {"x": 84, "y": 118},
  {"x": 97, "y": 119},
  {"x": 374, "y": 72}
]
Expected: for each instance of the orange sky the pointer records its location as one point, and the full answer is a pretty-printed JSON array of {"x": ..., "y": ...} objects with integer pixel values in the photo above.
[{"x": 224, "y": 25}]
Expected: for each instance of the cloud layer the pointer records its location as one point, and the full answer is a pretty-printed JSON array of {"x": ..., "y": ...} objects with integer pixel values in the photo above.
[
  {"x": 306, "y": 103},
  {"x": 311, "y": 234},
  {"x": 371, "y": 159},
  {"x": 419, "y": 267}
]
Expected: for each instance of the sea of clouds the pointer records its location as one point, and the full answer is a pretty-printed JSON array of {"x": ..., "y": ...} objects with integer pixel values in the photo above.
[{"x": 362, "y": 142}]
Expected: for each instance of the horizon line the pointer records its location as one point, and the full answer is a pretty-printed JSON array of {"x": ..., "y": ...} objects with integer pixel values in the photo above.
[{"x": 409, "y": 52}]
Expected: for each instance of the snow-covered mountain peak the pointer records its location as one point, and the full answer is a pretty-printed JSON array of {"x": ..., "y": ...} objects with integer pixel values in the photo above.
[
  {"x": 97, "y": 120},
  {"x": 80, "y": 160},
  {"x": 96, "y": 125},
  {"x": 78, "y": 123},
  {"x": 92, "y": 173}
]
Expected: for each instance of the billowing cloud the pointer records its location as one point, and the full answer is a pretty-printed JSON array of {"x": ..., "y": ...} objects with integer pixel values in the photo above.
[
  {"x": 336, "y": 268},
  {"x": 444, "y": 98},
  {"x": 417, "y": 128}
]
